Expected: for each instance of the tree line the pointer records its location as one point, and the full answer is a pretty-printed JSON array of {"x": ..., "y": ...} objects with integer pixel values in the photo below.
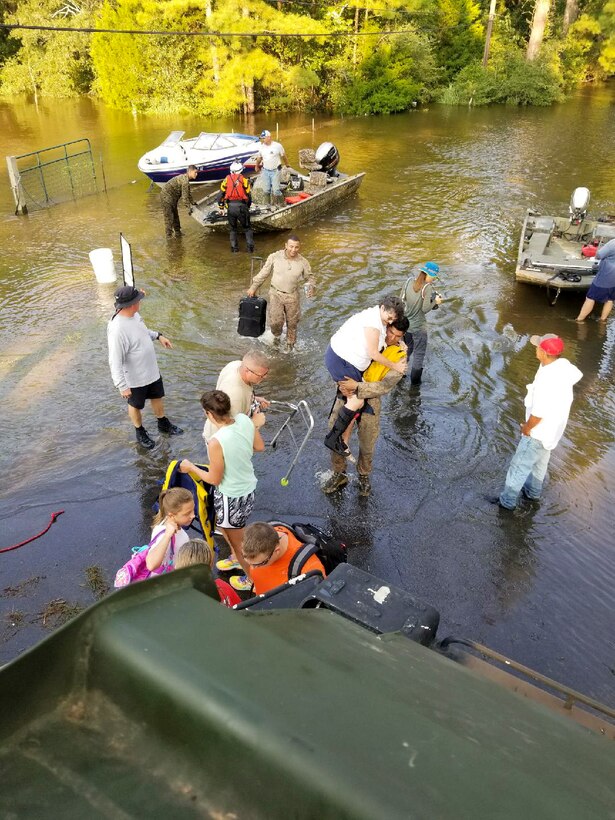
[{"x": 382, "y": 56}]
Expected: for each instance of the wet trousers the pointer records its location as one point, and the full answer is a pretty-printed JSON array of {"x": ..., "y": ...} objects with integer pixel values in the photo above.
[
  {"x": 171, "y": 216},
  {"x": 368, "y": 431},
  {"x": 284, "y": 307},
  {"x": 527, "y": 471},
  {"x": 239, "y": 217},
  {"x": 417, "y": 347}
]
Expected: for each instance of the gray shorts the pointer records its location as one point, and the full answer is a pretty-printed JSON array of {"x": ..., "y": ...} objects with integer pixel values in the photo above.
[{"x": 232, "y": 513}]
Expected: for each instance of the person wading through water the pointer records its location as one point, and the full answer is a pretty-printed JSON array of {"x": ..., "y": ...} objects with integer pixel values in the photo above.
[{"x": 236, "y": 197}]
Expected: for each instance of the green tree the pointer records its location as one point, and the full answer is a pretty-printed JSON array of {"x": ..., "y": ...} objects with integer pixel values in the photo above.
[
  {"x": 389, "y": 78},
  {"x": 49, "y": 63}
]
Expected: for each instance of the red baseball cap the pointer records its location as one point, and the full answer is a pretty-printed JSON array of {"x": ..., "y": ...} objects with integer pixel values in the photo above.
[{"x": 550, "y": 343}]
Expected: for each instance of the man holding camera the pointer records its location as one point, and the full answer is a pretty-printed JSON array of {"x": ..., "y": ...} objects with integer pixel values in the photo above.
[{"x": 419, "y": 298}]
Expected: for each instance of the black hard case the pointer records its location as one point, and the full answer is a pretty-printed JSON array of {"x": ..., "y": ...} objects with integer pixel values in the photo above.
[{"x": 252, "y": 311}]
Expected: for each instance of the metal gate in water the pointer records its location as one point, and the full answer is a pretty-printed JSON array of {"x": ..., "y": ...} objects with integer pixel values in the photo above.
[{"x": 52, "y": 175}]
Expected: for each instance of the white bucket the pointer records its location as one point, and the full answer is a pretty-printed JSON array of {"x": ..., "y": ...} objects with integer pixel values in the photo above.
[{"x": 102, "y": 262}]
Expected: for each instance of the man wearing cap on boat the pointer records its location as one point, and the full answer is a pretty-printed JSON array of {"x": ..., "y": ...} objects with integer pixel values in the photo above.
[
  {"x": 133, "y": 364},
  {"x": 547, "y": 405},
  {"x": 419, "y": 298},
  {"x": 269, "y": 161}
]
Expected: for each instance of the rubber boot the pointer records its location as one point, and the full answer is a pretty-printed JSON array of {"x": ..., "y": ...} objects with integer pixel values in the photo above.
[
  {"x": 165, "y": 426},
  {"x": 333, "y": 439},
  {"x": 416, "y": 375},
  {"x": 144, "y": 439}
]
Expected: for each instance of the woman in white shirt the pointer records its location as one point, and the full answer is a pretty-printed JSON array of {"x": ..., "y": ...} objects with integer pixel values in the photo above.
[{"x": 352, "y": 349}]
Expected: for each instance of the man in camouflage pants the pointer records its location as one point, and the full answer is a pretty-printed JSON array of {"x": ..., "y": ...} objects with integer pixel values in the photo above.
[
  {"x": 369, "y": 425},
  {"x": 288, "y": 269},
  {"x": 172, "y": 191}
]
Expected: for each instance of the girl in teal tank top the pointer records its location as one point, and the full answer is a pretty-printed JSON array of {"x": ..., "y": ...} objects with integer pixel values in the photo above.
[{"x": 230, "y": 472}]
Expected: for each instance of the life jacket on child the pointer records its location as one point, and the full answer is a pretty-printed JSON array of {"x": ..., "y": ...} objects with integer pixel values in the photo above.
[{"x": 205, "y": 520}]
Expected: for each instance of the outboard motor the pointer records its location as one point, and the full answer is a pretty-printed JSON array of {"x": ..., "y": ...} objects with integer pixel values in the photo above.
[
  {"x": 579, "y": 202},
  {"x": 328, "y": 157}
]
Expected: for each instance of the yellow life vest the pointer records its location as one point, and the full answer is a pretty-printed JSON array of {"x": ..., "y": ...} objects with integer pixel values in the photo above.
[{"x": 376, "y": 371}]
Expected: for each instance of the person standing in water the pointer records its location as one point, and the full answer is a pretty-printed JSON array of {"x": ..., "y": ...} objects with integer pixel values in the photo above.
[
  {"x": 602, "y": 289},
  {"x": 288, "y": 271},
  {"x": 547, "y": 405},
  {"x": 171, "y": 192},
  {"x": 351, "y": 350},
  {"x": 419, "y": 299}
]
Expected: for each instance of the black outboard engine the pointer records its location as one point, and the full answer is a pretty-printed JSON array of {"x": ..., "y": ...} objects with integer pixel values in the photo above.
[{"x": 328, "y": 157}]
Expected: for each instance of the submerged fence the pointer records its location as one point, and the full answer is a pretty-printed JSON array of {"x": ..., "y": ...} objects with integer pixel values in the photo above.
[{"x": 52, "y": 175}]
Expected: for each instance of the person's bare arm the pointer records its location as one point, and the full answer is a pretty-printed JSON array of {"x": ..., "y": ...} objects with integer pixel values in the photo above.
[
  {"x": 529, "y": 425},
  {"x": 216, "y": 466},
  {"x": 156, "y": 553}
]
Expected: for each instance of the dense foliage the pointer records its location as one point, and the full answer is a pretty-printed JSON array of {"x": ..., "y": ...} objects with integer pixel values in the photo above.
[{"x": 355, "y": 59}]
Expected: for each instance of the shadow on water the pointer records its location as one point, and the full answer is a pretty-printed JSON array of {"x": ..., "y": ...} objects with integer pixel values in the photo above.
[{"x": 444, "y": 183}]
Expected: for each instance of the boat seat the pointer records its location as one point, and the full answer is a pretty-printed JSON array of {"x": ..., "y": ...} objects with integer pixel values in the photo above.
[
  {"x": 318, "y": 179},
  {"x": 307, "y": 159},
  {"x": 538, "y": 243},
  {"x": 541, "y": 224}
]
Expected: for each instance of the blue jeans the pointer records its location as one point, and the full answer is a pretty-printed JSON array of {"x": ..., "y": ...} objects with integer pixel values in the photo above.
[
  {"x": 527, "y": 471},
  {"x": 271, "y": 181}
]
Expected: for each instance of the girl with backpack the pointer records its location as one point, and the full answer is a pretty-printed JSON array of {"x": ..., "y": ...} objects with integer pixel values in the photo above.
[{"x": 176, "y": 510}]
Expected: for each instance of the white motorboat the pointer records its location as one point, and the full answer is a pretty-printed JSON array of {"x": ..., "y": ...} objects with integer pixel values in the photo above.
[{"x": 212, "y": 155}]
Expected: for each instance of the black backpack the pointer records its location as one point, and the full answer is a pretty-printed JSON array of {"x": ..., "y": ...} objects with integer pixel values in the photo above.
[{"x": 330, "y": 551}]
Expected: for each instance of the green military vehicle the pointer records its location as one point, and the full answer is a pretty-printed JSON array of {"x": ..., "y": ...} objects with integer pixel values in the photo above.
[{"x": 330, "y": 699}]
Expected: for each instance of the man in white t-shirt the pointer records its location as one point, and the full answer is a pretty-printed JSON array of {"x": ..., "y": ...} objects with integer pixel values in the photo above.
[
  {"x": 547, "y": 405},
  {"x": 269, "y": 161},
  {"x": 238, "y": 379}
]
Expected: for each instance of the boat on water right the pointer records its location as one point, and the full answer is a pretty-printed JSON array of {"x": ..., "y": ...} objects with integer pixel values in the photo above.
[{"x": 557, "y": 252}]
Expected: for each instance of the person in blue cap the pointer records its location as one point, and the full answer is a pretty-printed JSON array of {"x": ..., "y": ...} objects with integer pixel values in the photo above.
[{"x": 419, "y": 298}]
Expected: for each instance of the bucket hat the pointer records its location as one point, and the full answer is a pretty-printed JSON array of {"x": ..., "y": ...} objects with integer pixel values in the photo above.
[{"x": 127, "y": 296}]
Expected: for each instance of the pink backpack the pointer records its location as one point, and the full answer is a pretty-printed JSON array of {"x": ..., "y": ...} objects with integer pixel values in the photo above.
[{"x": 135, "y": 569}]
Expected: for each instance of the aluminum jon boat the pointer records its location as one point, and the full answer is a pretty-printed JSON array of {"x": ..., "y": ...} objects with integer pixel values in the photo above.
[
  {"x": 304, "y": 196},
  {"x": 557, "y": 252},
  {"x": 283, "y": 216},
  {"x": 211, "y": 153}
]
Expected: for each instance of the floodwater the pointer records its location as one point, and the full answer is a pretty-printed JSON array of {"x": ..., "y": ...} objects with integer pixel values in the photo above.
[{"x": 444, "y": 184}]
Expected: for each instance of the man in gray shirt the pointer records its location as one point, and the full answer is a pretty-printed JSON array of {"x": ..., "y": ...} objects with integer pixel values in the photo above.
[{"x": 134, "y": 368}]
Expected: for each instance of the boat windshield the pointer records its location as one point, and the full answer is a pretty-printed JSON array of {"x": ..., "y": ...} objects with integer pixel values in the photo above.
[{"x": 213, "y": 142}]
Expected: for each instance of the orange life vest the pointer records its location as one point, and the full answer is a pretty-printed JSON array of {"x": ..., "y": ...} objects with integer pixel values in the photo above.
[{"x": 235, "y": 188}]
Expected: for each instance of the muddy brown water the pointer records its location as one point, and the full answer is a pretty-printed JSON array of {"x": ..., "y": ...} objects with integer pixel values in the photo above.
[{"x": 444, "y": 184}]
